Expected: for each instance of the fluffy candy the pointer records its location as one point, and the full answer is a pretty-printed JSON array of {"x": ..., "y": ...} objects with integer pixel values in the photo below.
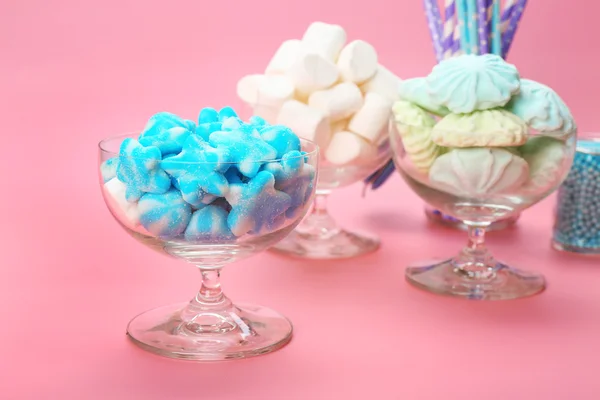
[
  {"x": 162, "y": 121},
  {"x": 488, "y": 128},
  {"x": 546, "y": 157},
  {"x": 245, "y": 147},
  {"x": 139, "y": 169},
  {"x": 256, "y": 206},
  {"x": 208, "y": 115},
  {"x": 108, "y": 169},
  {"x": 169, "y": 141},
  {"x": 227, "y": 112},
  {"x": 199, "y": 170},
  {"x": 478, "y": 171},
  {"x": 414, "y": 126},
  {"x": 294, "y": 177},
  {"x": 415, "y": 91},
  {"x": 128, "y": 212},
  {"x": 468, "y": 83},
  {"x": 209, "y": 224},
  {"x": 164, "y": 215},
  {"x": 542, "y": 109},
  {"x": 281, "y": 138}
]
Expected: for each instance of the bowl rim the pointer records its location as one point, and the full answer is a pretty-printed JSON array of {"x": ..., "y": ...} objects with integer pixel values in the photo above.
[{"x": 102, "y": 147}]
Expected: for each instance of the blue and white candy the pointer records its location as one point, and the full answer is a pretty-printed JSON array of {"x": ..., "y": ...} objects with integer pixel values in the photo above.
[
  {"x": 162, "y": 121},
  {"x": 209, "y": 224},
  {"x": 139, "y": 169},
  {"x": 281, "y": 138},
  {"x": 169, "y": 141},
  {"x": 108, "y": 169},
  {"x": 164, "y": 215}
]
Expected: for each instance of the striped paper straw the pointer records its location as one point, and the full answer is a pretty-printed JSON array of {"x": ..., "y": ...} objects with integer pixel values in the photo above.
[
  {"x": 495, "y": 35},
  {"x": 449, "y": 25},
  {"x": 482, "y": 31},
  {"x": 509, "y": 7},
  {"x": 432, "y": 13},
  {"x": 508, "y": 36},
  {"x": 472, "y": 25},
  {"x": 461, "y": 13}
]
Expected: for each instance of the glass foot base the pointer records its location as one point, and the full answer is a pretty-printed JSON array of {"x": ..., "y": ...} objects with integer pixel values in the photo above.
[
  {"x": 342, "y": 244},
  {"x": 438, "y": 217},
  {"x": 504, "y": 283},
  {"x": 240, "y": 332}
]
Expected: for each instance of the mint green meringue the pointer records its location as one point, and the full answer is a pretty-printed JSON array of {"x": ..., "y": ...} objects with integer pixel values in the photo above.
[
  {"x": 415, "y": 91},
  {"x": 542, "y": 109},
  {"x": 469, "y": 83}
]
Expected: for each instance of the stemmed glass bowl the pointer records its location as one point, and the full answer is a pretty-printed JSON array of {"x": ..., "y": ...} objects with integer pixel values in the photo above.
[
  {"x": 262, "y": 210},
  {"x": 479, "y": 195}
]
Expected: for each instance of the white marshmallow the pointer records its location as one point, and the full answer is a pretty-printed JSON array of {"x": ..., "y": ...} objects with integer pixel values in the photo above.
[
  {"x": 247, "y": 87},
  {"x": 324, "y": 39},
  {"x": 346, "y": 147},
  {"x": 127, "y": 213},
  {"x": 339, "y": 102},
  {"x": 284, "y": 57},
  {"x": 271, "y": 93},
  {"x": 357, "y": 62},
  {"x": 339, "y": 126},
  {"x": 311, "y": 72},
  {"x": 306, "y": 122},
  {"x": 372, "y": 120},
  {"x": 384, "y": 83}
]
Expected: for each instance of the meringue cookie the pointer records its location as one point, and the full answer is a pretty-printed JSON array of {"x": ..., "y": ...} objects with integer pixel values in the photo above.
[
  {"x": 469, "y": 82},
  {"x": 491, "y": 128},
  {"x": 478, "y": 171},
  {"x": 545, "y": 157},
  {"x": 415, "y": 91},
  {"x": 414, "y": 126},
  {"x": 542, "y": 109}
]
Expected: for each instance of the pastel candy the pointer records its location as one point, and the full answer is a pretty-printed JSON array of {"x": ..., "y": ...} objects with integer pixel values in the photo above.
[
  {"x": 281, "y": 138},
  {"x": 372, "y": 118},
  {"x": 162, "y": 121},
  {"x": 199, "y": 170},
  {"x": 169, "y": 141},
  {"x": 414, "y": 126},
  {"x": 542, "y": 109},
  {"x": 207, "y": 115},
  {"x": 324, "y": 39},
  {"x": 256, "y": 205},
  {"x": 247, "y": 87},
  {"x": 257, "y": 121},
  {"x": 338, "y": 126},
  {"x": 357, "y": 62},
  {"x": 384, "y": 83},
  {"x": 209, "y": 224},
  {"x": 284, "y": 57},
  {"x": 306, "y": 122},
  {"x": 190, "y": 125},
  {"x": 339, "y": 102},
  {"x": 347, "y": 147},
  {"x": 270, "y": 96},
  {"x": 139, "y": 168},
  {"x": 468, "y": 83},
  {"x": 164, "y": 215},
  {"x": 491, "y": 128},
  {"x": 205, "y": 129},
  {"x": 245, "y": 149},
  {"x": 129, "y": 214},
  {"x": 226, "y": 113},
  {"x": 478, "y": 171},
  {"x": 415, "y": 91},
  {"x": 108, "y": 169},
  {"x": 231, "y": 124},
  {"x": 311, "y": 72},
  {"x": 546, "y": 158}
]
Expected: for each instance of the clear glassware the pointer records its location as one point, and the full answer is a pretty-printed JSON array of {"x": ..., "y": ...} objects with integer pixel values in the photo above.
[
  {"x": 210, "y": 326},
  {"x": 474, "y": 273},
  {"x": 319, "y": 236},
  {"x": 439, "y": 217}
]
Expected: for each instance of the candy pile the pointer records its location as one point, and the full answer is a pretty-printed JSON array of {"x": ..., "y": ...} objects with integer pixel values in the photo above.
[
  {"x": 218, "y": 180},
  {"x": 578, "y": 209},
  {"x": 474, "y": 127},
  {"x": 327, "y": 91}
]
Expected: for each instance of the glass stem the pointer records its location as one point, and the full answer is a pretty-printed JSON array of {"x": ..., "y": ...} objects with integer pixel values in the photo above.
[
  {"x": 210, "y": 298},
  {"x": 319, "y": 224},
  {"x": 475, "y": 261}
]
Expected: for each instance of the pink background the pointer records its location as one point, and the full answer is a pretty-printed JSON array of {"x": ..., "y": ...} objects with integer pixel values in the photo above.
[{"x": 74, "y": 71}]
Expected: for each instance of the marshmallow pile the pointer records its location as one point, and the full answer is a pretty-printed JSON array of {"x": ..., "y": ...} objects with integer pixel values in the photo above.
[
  {"x": 332, "y": 93},
  {"x": 474, "y": 127},
  {"x": 214, "y": 181}
]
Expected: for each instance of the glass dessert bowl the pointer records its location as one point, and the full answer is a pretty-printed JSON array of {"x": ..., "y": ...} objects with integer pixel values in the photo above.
[
  {"x": 480, "y": 156},
  {"x": 203, "y": 208}
]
